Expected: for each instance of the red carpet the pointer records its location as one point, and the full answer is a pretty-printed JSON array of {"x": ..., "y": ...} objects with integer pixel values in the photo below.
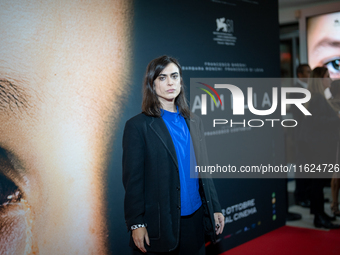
[{"x": 291, "y": 240}]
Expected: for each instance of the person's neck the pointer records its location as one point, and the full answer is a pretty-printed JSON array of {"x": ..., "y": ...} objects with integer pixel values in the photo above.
[{"x": 169, "y": 106}]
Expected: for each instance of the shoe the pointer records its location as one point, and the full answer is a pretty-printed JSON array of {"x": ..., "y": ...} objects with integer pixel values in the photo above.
[
  {"x": 293, "y": 216},
  {"x": 328, "y": 217},
  {"x": 304, "y": 203},
  {"x": 321, "y": 222},
  {"x": 335, "y": 209}
]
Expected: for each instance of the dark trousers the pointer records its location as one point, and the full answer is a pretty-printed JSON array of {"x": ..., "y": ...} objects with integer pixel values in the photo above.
[
  {"x": 302, "y": 185},
  {"x": 317, "y": 196},
  {"x": 319, "y": 153},
  {"x": 302, "y": 189},
  {"x": 191, "y": 237}
]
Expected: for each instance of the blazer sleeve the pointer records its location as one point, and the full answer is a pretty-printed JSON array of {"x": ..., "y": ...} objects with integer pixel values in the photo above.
[
  {"x": 133, "y": 174},
  {"x": 209, "y": 181}
]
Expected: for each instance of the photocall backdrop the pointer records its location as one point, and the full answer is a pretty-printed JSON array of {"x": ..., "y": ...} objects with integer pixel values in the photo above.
[
  {"x": 211, "y": 39},
  {"x": 71, "y": 75}
]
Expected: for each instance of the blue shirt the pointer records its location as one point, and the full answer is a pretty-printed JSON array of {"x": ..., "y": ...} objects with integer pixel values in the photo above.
[{"x": 179, "y": 131}]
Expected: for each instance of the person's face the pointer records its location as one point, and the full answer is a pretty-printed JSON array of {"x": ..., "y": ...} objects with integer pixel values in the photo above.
[
  {"x": 304, "y": 76},
  {"x": 168, "y": 84},
  {"x": 62, "y": 69},
  {"x": 324, "y": 43}
]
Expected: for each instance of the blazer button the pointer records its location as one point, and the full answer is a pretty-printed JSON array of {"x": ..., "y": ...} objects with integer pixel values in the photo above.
[
  {"x": 178, "y": 207},
  {"x": 178, "y": 188},
  {"x": 208, "y": 201}
]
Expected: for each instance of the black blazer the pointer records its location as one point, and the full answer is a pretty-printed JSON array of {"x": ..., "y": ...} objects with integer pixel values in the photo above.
[{"x": 151, "y": 180}]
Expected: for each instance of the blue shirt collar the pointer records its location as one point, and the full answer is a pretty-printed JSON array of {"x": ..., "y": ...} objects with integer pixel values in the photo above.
[{"x": 167, "y": 112}]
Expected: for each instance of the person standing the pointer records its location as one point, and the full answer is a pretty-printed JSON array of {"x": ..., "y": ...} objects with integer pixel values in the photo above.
[
  {"x": 166, "y": 210},
  {"x": 319, "y": 135},
  {"x": 335, "y": 182},
  {"x": 302, "y": 188}
]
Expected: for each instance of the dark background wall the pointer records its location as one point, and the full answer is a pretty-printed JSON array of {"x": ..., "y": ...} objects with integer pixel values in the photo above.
[{"x": 187, "y": 30}]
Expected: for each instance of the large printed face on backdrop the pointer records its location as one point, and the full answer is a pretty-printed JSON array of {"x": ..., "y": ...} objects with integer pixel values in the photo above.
[
  {"x": 62, "y": 72},
  {"x": 323, "y": 41}
]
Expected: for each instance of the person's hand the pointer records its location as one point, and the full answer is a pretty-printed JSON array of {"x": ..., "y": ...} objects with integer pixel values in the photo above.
[
  {"x": 219, "y": 223},
  {"x": 138, "y": 236}
]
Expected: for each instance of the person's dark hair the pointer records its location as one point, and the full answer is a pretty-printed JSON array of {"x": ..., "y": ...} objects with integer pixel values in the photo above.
[
  {"x": 335, "y": 88},
  {"x": 315, "y": 85},
  {"x": 319, "y": 72},
  {"x": 151, "y": 105},
  {"x": 300, "y": 68}
]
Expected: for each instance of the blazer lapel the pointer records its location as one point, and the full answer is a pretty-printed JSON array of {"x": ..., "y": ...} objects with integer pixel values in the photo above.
[
  {"x": 187, "y": 120},
  {"x": 161, "y": 130},
  {"x": 193, "y": 129}
]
